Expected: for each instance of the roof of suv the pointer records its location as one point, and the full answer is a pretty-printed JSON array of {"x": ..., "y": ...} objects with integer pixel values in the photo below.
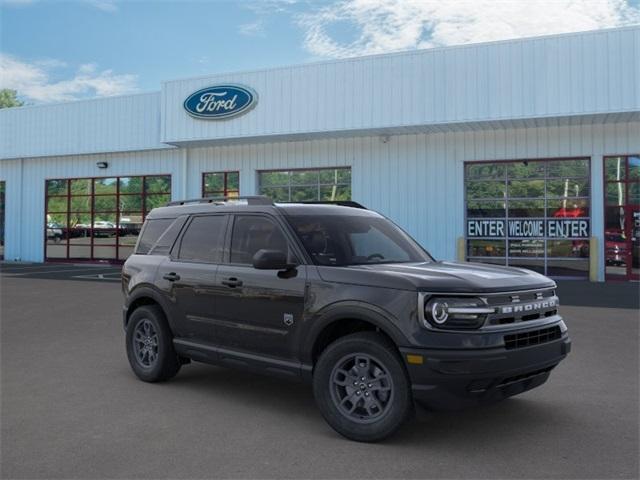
[{"x": 261, "y": 205}]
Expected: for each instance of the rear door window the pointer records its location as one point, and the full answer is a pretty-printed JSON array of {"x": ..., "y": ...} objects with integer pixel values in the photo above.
[
  {"x": 151, "y": 232},
  {"x": 203, "y": 239}
]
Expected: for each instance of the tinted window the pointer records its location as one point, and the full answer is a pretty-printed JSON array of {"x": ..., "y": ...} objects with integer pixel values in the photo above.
[
  {"x": 253, "y": 233},
  {"x": 168, "y": 238},
  {"x": 355, "y": 240},
  {"x": 151, "y": 233},
  {"x": 203, "y": 239}
]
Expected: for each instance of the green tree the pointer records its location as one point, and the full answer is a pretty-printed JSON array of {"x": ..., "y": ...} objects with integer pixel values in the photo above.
[{"x": 9, "y": 98}]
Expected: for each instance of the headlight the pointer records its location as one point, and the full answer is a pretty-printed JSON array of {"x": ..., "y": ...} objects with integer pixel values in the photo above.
[{"x": 455, "y": 313}]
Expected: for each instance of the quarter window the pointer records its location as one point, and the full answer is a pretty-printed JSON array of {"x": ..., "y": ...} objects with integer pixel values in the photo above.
[
  {"x": 329, "y": 184},
  {"x": 531, "y": 213},
  {"x": 151, "y": 232},
  {"x": 203, "y": 240}
]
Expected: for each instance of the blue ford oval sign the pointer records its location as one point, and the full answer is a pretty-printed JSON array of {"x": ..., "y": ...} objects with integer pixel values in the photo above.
[{"x": 220, "y": 102}]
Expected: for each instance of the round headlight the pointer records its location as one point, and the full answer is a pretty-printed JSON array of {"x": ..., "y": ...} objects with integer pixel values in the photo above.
[{"x": 439, "y": 312}]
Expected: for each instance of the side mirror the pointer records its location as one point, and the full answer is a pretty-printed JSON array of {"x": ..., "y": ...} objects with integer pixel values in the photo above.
[{"x": 270, "y": 260}]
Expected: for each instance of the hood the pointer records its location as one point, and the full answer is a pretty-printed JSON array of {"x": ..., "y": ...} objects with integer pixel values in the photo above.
[{"x": 438, "y": 277}]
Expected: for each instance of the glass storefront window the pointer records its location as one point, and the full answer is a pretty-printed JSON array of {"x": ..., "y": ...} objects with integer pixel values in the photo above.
[
  {"x": 615, "y": 169},
  {"x": 2, "y": 199},
  {"x": 329, "y": 184},
  {"x": 100, "y": 218},
  {"x": 530, "y": 213},
  {"x": 486, "y": 248},
  {"x": 622, "y": 217},
  {"x": 526, "y": 169},
  {"x": 634, "y": 167},
  {"x": 486, "y": 189},
  {"x": 568, "y": 188},
  {"x": 568, "y": 168},
  {"x": 486, "y": 209},
  {"x": 615, "y": 193},
  {"x": 485, "y": 171},
  {"x": 526, "y": 208},
  {"x": 221, "y": 184},
  {"x": 105, "y": 186}
]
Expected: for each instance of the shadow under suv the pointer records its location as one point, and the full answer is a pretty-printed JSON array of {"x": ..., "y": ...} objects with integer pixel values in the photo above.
[{"x": 339, "y": 296}]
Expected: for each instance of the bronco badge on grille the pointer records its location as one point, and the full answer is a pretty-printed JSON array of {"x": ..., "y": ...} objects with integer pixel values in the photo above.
[{"x": 529, "y": 307}]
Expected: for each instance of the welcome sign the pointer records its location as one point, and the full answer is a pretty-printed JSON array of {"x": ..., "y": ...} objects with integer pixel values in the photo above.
[
  {"x": 528, "y": 228},
  {"x": 220, "y": 102}
]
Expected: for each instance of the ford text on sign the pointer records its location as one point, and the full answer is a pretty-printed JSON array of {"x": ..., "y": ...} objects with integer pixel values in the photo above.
[
  {"x": 220, "y": 102},
  {"x": 528, "y": 228}
]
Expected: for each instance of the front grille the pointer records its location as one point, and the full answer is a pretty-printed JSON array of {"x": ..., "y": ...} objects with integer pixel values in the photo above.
[
  {"x": 517, "y": 299},
  {"x": 534, "y": 337}
]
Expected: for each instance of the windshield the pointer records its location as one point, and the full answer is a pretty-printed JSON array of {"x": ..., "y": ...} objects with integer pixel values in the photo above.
[{"x": 339, "y": 240}]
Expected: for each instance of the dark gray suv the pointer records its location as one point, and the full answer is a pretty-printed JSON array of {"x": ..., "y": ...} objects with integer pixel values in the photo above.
[{"x": 339, "y": 296}]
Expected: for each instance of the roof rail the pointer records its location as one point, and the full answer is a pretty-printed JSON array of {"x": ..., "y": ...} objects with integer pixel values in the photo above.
[
  {"x": 341, "y": 203},
  {"x": 251, "y": 200}
]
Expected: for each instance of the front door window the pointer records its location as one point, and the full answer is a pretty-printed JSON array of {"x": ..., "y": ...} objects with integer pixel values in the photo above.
[{"x": 622, "y": 217}]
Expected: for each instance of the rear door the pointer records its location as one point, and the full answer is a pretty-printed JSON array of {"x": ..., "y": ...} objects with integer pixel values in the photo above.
[
  {"x": 189, "y": 276},
  {"x": 259, "y": 311}
]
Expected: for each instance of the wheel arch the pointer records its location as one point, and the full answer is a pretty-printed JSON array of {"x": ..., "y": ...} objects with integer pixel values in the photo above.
[
  {"x": 145, "y": 296},
  {"x": 345, "y": 318}
]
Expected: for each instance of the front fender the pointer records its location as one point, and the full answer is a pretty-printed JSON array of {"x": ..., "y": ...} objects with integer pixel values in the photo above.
[{"x": 342, "y": 310}]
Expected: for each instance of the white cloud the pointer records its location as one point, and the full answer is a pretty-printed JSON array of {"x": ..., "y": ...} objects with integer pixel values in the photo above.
[
  {"x": 268, "y": 7},
  {"x": 252, "y": 29},
  {"x": 33, "y": 81},
  {"x": 104, "y": 5},
  {"x": 389, "y": 25}
]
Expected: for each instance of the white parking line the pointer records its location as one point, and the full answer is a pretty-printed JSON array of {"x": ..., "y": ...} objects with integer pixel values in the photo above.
[
  {"x": 22, "y": 271},
  {"x": 40, "y": 272},
  {"x": 98, "y": 276}
]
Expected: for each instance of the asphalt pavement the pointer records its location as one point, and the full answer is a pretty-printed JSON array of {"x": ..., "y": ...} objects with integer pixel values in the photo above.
[{"x": 71, "y": 408}]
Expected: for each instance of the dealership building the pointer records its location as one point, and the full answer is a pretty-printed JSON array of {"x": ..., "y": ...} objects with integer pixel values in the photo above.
[{"x": 522, "y": 152}]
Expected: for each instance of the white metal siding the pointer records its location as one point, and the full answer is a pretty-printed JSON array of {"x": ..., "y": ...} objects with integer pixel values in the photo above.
[
  {"x": 556, "y": 76},
  {"x": 416, "y": 180},
  {"x": 126, "y": 123}
]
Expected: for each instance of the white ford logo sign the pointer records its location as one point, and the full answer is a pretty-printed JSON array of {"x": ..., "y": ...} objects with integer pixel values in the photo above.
[{"x": 220, "y": 102}]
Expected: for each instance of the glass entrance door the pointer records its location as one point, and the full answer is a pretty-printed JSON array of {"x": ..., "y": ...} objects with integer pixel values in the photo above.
[
  {"x": 622, "y": 217},
  {"x": 634, "y": 220}
]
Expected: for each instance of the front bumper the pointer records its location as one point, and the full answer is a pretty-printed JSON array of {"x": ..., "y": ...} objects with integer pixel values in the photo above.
[{"x": 451, "y": 379}]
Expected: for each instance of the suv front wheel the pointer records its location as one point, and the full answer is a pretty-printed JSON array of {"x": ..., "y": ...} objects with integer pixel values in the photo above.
[
  {"x": 150, "y": 345},
  {"x": 361, "y": 387}
]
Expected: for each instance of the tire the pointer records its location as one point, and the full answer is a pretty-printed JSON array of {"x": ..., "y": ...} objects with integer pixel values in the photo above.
[
  {"x": 384, "y": 402},
  {"x": 159, "y": 362}
]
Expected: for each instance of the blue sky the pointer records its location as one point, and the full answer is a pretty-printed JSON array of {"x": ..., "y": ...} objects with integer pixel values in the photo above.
[{"x": 54, "y": 50}]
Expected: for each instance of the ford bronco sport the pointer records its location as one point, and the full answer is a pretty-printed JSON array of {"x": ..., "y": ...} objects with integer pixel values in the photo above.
[{"x": 337, "y": 295}]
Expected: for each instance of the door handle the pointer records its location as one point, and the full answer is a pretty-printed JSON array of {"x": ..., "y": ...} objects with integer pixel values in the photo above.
[
  {"x": 232, "y": 282},
  {"x": 172, "y": 277}
]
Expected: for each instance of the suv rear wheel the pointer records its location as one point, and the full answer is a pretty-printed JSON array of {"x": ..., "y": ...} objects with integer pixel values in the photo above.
[
  {"x": 150, "y": 345},
  {"x": 361, "y": 387}
]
